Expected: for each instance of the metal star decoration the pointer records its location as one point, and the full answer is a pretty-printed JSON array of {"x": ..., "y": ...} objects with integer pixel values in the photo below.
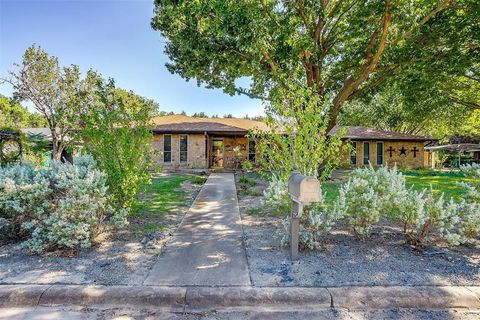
[{"x": 403, "y": 151}]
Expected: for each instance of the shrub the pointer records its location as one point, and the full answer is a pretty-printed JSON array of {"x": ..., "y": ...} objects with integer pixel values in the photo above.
[
  {"x": 245, "y": 180},
  {"x": 462, "y": 226},
  {"x": 199, "y": 180},
  {"x": 247, "y": 166},
  {"x": 275, "y": 195},
  {"x": 315, "y": 219},
  {"x": 368, "y": 195},
  {"x": 421, "y": 213},
  {"x": 64, "y": 207}
]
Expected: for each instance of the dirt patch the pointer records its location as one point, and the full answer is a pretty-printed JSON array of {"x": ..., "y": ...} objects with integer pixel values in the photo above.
[
  {"x": 383, "y": 259},
  {"x": 121, "y": 258}
]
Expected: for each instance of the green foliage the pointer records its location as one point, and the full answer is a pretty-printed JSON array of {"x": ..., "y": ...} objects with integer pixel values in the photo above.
[
  {"x": 115, "y": 130},
  {"x": 317, "y": 218},
  {"x": 57, "y": 93},
  {"x": 199, "y": 180},
  {"x": 14, "y": 115},
  {"x": 298, "y": 138},
  {"x": 340, "y": 49},
  {"x": 64, "y": 207},
  {"x": 247, "y": 166},
  {"x": 373, "y": 194},
  {"x": 275, "y": 196},
  {"x": 368, "y": 195},
  {"x": 245, "y": 180}
]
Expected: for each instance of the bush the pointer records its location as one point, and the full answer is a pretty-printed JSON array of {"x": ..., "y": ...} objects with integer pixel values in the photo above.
[
  {"x": 199, "y": 180},
  {"x": 275, "y": 196},
  {"x": 315, "y": 219},
  {"x": 368, "y": 195},
  {"x": 463, "y": 227},
  {"x": 64, "y": 207},
  {"x": 245, "y": 180},
  {"x": 247, "y": 166},
  {"x": 421, "y": 213}
]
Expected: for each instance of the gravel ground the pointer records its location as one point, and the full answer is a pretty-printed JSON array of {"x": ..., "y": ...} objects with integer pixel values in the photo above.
[
  {"x": 383, "y": 259},
  {"x": 122, "y": 258},
  {"x": 84, "y": 313}
]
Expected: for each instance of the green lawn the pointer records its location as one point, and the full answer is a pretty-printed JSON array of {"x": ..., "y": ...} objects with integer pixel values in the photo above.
[
  {"x": 445, "y": 182},
  {"x": 163, "y": 197}
]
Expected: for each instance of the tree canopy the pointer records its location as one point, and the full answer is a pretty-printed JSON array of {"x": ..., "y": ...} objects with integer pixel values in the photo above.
[
  {"x": 14, "y": 115},
  {"x": 341, "y": 49}
]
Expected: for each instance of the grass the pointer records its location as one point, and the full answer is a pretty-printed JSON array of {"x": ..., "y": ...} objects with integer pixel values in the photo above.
[
  {"x": 163, "y": 197},
  {"x": 445, "y": 182}
]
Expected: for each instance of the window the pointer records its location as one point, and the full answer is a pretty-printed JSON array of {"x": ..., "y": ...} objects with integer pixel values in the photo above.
[
  {"x": 366, "y": 153},
  {"x": 379, "y": 153},
  {"x": 353, "y": 153},
  {"x": 251, "y": 150},
  {"x": 167, "y": 148},
  {"x": 183, "y": 148}
]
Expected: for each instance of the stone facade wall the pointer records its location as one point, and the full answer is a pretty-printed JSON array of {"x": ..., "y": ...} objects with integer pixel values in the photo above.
[
  {"x": 232, "y": 158},
  {"x": 408, "y": 159},
  {"x": 197, "y": 155},
  {"x": 196, "y": 152}
]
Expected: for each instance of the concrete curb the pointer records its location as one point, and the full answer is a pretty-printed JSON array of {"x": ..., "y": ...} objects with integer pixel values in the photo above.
[
  {"x": 200, "y": 298},
  {"x": 197, "y": 299}
]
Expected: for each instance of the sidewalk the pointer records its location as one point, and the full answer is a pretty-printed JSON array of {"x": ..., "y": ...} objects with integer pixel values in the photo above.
[{"x": 207, "y": 249}]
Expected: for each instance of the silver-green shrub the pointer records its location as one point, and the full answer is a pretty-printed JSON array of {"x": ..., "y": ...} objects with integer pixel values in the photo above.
[
  {"x": 275, "y": 195},
  {"x": 316, "y": 218},
  {"x": 368, "y": 195},
  {"x": 422, "y": 212},
  {"x": 64, "y": 207},
  {"x": 464, "y": 226}
]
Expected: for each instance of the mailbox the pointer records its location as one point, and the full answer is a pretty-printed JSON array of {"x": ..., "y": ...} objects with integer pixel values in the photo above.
[{"x": 304, "y": 189}]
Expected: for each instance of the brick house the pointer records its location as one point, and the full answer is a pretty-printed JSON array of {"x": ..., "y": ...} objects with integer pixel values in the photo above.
[
  {"x": 204, "y": 143},
  {"x": 384, "y": 147},
  {"x": 213, "y": 143}
]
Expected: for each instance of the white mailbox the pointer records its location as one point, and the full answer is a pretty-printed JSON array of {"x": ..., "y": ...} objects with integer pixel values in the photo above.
[{"x": 304, "y": 189}]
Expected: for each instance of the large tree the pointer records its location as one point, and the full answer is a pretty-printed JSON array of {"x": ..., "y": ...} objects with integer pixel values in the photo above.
[
  {"x": 114, "y": 128},
  {"x": 341, "y": 49},
  {"x": 56, "y": 93}
]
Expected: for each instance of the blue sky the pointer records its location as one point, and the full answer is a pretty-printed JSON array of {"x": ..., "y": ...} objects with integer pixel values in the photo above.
[{"x": 115, "y": 38}]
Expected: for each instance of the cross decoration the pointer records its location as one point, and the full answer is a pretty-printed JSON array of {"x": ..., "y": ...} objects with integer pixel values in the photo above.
[
  {"x": 415, "y": 150},
  {"x": 391, "y": 151}
]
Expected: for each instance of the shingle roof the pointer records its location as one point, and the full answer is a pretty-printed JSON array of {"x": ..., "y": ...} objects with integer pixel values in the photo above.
[
  {"x": 364, "y": 133},
  {"x": 186, "y": 124},
  {"x": 182, "y": 123}
]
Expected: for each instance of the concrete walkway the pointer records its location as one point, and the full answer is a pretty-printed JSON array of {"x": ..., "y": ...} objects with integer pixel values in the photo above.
[{"x": 207, "y": 248}]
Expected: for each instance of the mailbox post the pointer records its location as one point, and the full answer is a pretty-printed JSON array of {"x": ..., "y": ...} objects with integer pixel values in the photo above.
[{"x": 303, "y": 190}]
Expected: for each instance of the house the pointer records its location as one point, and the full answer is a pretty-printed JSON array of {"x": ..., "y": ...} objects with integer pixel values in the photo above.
[
  {"x": 44, "y": 134},
  {"x": 206, "y": 143},
  {"x": 380, "y": 147}
]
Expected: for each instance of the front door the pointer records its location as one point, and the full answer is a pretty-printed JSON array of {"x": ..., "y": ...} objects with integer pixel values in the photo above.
[{"x": 217, "y": 153}]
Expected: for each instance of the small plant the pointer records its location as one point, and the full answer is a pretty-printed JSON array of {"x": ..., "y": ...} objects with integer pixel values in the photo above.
[
  {"x": 247, "y": 166},
  {"x": 245, "y": 180},
  {"x": 199, "y": 180},
  {"x": 275, "y": 196},
  {"x": 255, "y": 192},
  {"x": 316, "y": 218},
  {"x": 254, "y": 211}
]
